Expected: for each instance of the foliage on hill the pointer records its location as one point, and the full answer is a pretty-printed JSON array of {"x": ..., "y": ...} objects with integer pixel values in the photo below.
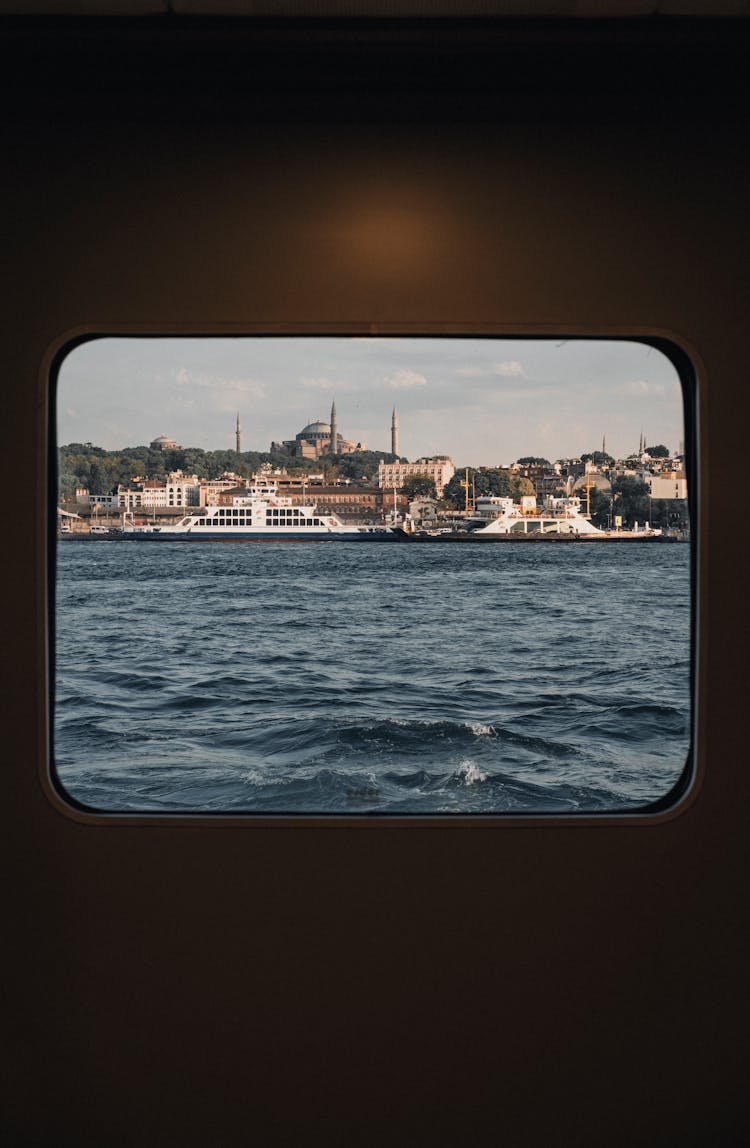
[
  {"x": 100, "y": 470},
  {"x": 498, "y": 481},
  {"x": 658, "y": 451},
  {"x": 599, "y": 458},
  {"x": 358, "y": 466},
  {"x": 533, "y": 460},
  {"x": 419, "y": 486},
  {"x": 631, "y": 501}
]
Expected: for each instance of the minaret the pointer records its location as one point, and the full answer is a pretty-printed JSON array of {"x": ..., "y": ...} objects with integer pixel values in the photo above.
[
  {"x": 394, "y": 433},
  {"x": 604, "y": 444},
  {"x": 334, "y": 430},
  {"x": 238, "y": 434}
]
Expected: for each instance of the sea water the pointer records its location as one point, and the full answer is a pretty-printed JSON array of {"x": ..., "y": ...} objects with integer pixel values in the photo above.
[{"x": 360, "y": 679}]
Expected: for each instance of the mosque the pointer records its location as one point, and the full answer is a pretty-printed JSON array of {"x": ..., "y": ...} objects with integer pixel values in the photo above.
[
  {"x": 318, "y": 438},
  {"x": 163, "y": 443}
]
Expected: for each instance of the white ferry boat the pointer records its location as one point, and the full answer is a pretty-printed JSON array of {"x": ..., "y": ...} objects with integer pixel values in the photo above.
[
  {"x": 497, "y": 515},
  {"x": 260, "y": 515},
  {"x": 501, "y": 519}
]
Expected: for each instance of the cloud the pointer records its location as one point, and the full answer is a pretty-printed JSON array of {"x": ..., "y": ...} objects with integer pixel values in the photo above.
[
  {"x": 403, "y": 379},
  {"x": 220, "y": 383},
  {"x": 249, "y": 387},
  {"x": 509, "y": 369},
  {"x": 641, "y": 387},
  {"x": 319, "y": 384}
]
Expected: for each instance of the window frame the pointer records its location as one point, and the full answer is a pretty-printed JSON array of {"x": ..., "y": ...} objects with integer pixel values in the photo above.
[{"x": 690, "y": 370}]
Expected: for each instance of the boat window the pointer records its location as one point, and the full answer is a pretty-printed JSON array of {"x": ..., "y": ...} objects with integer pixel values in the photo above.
[{"x": 510, "y": 636}]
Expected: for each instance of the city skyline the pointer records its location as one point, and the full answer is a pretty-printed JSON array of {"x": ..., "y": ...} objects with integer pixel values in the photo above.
[{"x": 484, "y": 402}]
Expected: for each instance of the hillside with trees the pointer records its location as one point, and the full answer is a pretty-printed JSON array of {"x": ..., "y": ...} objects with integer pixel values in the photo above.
[
  {"x": 498, "y": 481},
  {"x": 631, "y": 501},
  {"x": 599, "y": 458},
  {"x": 658, "y": 451},
  {"x": 100, "y": 470}
]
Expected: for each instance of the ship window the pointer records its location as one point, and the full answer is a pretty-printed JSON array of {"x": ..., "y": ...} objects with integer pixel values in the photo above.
[{"x": 492, "y": 659}]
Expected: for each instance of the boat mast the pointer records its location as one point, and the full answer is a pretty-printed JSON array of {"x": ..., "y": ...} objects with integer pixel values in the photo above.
[
  {"x": 587, "y": 487},
  {"x": 465, "y": 485}
]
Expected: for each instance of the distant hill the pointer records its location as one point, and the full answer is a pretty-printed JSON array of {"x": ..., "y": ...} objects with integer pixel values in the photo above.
[{"x": 99, "y": 470}]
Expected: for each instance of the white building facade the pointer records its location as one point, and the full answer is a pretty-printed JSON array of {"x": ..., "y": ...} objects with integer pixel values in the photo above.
[
  {"x": 394, "y": 474},
  {"x": 668, "y": 484},
  {"x": 183, "y": 489}
]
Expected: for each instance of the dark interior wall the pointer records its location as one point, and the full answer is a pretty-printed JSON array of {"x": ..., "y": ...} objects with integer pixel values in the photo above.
[{"x": 552, "y": 984}]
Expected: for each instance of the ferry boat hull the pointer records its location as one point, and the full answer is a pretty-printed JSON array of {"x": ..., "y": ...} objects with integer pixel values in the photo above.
[
  {"x": 534, "y": 538},
  {"x": 358, "y": 535},
  {"x": 257, "y": 514}
]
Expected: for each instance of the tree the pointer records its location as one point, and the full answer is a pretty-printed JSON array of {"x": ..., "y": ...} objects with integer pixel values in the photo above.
[
  {"x": 532, "y": 460},
  {"x": 99, "y": 470},
  {"x": 331, "y": 472},
  {"x": 599, "y": 458},
  {"x": 102, "y": 475},
  {"x": 497, "y": 481},
  {"x": 670, "y": 513},
  {"x": 360, "y": 464},
  {"x": 419, "y": 486},
  {"x": 659, "y": 451},
  {"x": 631, "y": 500},
  {"x": 601, "y": 507}
]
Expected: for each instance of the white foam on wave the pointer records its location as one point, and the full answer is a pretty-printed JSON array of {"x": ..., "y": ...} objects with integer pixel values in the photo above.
[
  {"x": 471, "y": 773},
  {"x": 481, "y": 729}
]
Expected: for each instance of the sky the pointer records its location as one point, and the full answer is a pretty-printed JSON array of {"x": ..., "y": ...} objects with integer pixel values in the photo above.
[{"x": 483, "y": 402}]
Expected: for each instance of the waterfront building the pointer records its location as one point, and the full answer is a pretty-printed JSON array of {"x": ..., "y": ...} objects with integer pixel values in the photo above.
[
  {"x": 102, "y": 502},
  {"x": 146, "y": 494},
  {"x": 97, "y": 502},
  {"x": 569, "y": 469},
  {"x": 150, "y": 493},
  {"x": 182, "y": 489},
  {"x": 351, "y": 502},
  {"x": 439, "y": 468},
  {"x": 227, "y": 497},
  {"x": 211, "y": 489},
  {"x": 544, "y": 477},
  {"x": 668, "y": 484}
]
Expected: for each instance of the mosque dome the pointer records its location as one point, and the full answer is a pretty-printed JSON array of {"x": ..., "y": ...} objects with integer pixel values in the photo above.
[
  {"x": 314, "y": 429},
  {"x": 594, "y": 479},
  {"x": 162, "y": 443}
]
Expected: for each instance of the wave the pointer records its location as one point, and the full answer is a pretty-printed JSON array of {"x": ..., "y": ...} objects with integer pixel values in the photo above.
[
  {"x": 465, "y": 789},
  {"x": 402, "y": 679}
]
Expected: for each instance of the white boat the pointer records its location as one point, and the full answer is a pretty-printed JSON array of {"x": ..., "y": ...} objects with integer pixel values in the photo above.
[
  {"x": 259, "y": 515},
  {"x": 556, "y": 516},
  {"x": 501, "y": 519}
]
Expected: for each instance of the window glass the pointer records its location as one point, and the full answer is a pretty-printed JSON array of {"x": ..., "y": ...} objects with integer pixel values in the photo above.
[{"x": 499, "y": 621}]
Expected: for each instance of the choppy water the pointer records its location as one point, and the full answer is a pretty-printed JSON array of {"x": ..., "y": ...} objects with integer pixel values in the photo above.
[{"x": 358, "y": 679}]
